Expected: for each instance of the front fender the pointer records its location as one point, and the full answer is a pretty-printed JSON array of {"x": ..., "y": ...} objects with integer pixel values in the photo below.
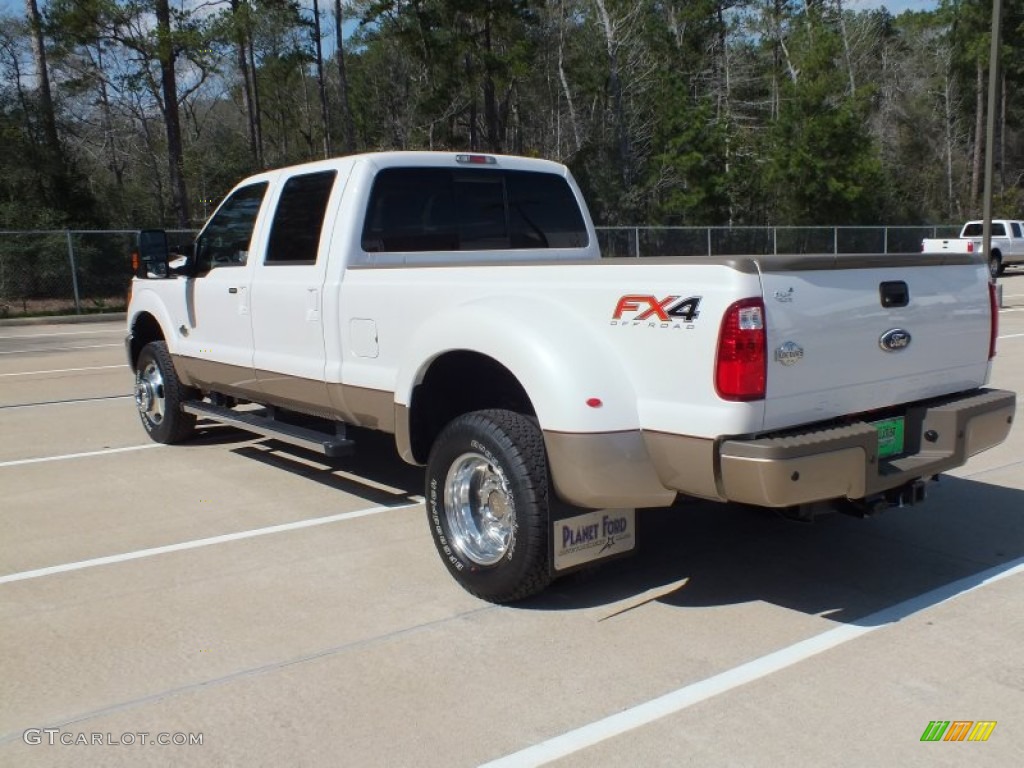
[
  {"x": 146, "y": 301},
  {"x": 561, "y": 361}
]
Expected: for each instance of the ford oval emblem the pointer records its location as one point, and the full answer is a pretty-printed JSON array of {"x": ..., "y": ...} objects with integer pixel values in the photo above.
[{"x": 894, "y": 340}]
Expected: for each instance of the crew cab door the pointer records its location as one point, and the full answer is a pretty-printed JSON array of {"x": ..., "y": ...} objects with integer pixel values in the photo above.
[
  {"x": 287, "y": 292},
  {"x": 214, "y": 345}
]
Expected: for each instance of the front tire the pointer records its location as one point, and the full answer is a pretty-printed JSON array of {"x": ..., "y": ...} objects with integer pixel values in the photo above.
[
  {"x": 487, "y": 504},
  {"x": 159, "y": 396}
]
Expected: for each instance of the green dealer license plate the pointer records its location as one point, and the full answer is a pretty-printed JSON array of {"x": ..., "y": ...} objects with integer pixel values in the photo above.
[{"x": 890, "y": 437}]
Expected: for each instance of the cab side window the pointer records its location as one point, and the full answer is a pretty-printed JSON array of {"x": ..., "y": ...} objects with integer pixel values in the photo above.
[
  {"x": 295, "y": 232},
  {"x": 225, "y": 240},
  {"x": 1015, "y": 226}
]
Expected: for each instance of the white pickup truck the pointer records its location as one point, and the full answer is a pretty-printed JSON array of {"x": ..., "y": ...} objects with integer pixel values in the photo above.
[
  {"x": 1007, "y": 243},
  {"x": 460, "y": 303}
]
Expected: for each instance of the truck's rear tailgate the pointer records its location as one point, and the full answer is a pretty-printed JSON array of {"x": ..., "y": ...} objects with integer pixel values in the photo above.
[{"x": 854, "y": 334}]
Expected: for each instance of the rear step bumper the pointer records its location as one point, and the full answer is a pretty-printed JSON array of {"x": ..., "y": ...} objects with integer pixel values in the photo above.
[
  {"x": 334, "y": 446},
  {"x": 843, "y": 462}
]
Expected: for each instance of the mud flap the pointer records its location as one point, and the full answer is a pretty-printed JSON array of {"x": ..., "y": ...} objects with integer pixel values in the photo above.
[{"x": 581, "y": 537}]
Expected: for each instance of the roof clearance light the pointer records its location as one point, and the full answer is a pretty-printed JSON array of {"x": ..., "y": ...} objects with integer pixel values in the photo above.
[{"x": 476, "y": 159}]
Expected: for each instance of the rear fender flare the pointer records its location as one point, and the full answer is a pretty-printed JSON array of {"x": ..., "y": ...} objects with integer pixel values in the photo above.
[{"x": 573, "y": 376}]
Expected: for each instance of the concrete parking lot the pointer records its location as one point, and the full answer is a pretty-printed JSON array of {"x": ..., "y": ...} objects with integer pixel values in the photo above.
[{"x": 284, "y": 611}]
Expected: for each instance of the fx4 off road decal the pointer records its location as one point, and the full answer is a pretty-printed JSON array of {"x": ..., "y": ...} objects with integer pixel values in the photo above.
[{"x": 645, "y": 311}]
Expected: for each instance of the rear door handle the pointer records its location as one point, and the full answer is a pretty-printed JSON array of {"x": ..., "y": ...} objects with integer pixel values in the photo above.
[{"x": 232, "y": 290}]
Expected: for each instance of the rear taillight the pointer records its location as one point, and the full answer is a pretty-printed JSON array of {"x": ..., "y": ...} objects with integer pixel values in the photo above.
[
  {"x": 741, "y": 362},
  {"x": 970, "y": 246},
  {"x": 994, "y": 325}
]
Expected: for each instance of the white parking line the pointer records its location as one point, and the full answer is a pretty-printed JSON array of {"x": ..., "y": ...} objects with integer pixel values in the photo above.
[
  {"x": 71, "y": 401},
  {"x": 1011, "y": 336},
  {"x": 57, "y": 349},
  {"x": 66, "y": 370},
  {"x": 678, "y": 700},
  {"x": 997, "y": 468},
  {"x": 196, "y": 543},
  {"x": 61, "y": 333},
  {"x": 65, "y": 456}
]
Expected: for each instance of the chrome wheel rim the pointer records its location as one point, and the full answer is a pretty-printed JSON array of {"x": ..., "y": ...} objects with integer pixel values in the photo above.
[
  {"x": 149, "y": 393},
  {"x": 479, "y": 509}
]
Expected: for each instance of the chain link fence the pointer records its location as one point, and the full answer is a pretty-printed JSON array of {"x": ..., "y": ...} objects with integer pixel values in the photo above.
[
  {"x": 58, "y": 272},
  {"x": 53, "y": 272},
  {"x": 642, "y": 242}
]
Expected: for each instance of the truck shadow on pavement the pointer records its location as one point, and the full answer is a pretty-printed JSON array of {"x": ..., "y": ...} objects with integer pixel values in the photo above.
[
  {"x": 702, "y": 555},
  {"x": 699, "y": 554},
  {"x": 374, "y": 472}
]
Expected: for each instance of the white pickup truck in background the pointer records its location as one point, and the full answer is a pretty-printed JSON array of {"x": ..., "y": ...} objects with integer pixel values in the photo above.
[
  {"x": 460, "y": 303},
  {"x": 1007, "y": 243}
]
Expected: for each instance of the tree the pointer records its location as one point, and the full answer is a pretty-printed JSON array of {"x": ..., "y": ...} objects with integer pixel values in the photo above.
[
  {"x": 822, "y": 163},
  {"x": 240, "y": 31},
  {"x": 667, "y": 111},
  {"x": 48, "y": 116},
  {"x": 343, "y": 91},
  {"x": 166, "y": 55},
  {"x": 325, "y": 120},
  {"x": 470, "y": 60},
  {"x": 40, "y": 184},
  {"x": 150, "y": 40}
]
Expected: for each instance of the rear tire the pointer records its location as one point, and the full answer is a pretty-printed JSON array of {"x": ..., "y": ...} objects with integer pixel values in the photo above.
[
  {"x": 995, "y": 264},
  {"x": 159, "y": 396},
  {"x": 487, "y": 504}
]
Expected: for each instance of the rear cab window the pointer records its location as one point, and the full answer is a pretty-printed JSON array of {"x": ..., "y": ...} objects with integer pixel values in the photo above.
[
  {"x": 453, "y": 209},
  {"x": 299, "y": 218},
  {"x": 975, "y": 229}
]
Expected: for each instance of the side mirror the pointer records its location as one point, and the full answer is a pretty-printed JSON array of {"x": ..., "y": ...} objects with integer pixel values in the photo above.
[
  {"x": 153, "y": 254},
  {"x": 183, "y": 260}
]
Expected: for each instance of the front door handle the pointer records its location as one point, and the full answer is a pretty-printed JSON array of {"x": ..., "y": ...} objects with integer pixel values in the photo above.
[{"x": 232, "y": 290}]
